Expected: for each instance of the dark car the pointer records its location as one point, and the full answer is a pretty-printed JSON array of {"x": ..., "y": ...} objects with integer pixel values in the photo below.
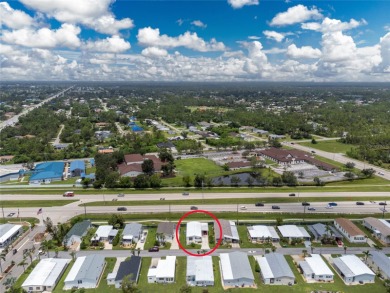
[
  {"x": 121, "y": 209},
  {"x": 305, "y": 204},
  {"x": 259, "y": 204},
  {"x": 276, "y": 207},
  {"x": 291, "y": 194},
  {"x": 15, "y": 251},
  {"x": 185, "y": 193},
  {"x": 154, "y": 249},
  {"x": 332, "y": 204},
  {"x": 382, "y": 203},
  {"x": 193, "y": 208},
  {"x": 10, "y": 215},
  {"x": 360, "y": 203}
]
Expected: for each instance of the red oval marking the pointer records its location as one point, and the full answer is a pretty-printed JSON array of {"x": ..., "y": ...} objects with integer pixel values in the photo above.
[{"x": 194, "y": 212}]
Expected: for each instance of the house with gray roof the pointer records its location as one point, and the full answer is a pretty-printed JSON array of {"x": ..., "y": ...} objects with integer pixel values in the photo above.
[
  {"x": 78, "y": 231},
  {"x": 236, "y": 270},
  {"x": 200, "y": 271},
  {"x": 380, "y": 228},
  {"x": 129, "y": 268},
  {"x": 167, "y": 229},
  {"x": 352, "y": 270},
  {"x": 314, "y": 269},
  {"x": 380, "y": 262},
  {"x": 274, "y": 270},
  {"x": 320, "y": 231},
  {"x": 229, "y": 231},
  {"x": 9, "y": 233},
  {"x": 132, "y": 233},
  {"x": 86, "y": 272}
]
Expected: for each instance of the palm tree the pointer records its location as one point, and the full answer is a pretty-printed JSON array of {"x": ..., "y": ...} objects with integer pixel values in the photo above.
[
  {"x": 2, "y": 258},
  {"x": 56, "y": 251},
  {"x": 138, "y": 250},
  {"x": 9, "y": 283},
  {"x": 73, "y": 255},
  {"x": 304, "y": 252},
  {"x": 345, "y": 249},
  {"x": 366, "y": 255},
  {"x": 46, "y": 245},
  {"x": 29, "y": 254},
  {"x": 23, "y": 263}
]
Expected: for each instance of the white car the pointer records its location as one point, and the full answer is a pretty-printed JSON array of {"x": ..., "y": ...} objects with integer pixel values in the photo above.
[
  {"x": 243, "y": 208},
  {"x": 329, "y": 207}
]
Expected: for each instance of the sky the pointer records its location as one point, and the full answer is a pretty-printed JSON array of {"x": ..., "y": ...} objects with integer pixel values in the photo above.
[{"x": 218, "y": 40}]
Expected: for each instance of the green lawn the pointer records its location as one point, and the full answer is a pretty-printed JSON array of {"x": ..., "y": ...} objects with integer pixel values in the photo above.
[
  {"x": 151, "y": 238},
  {"x": 23, "y": 277},
  {"x": 331, "y": 146},
  {"x": 15, "y": 220},
  {"x": 61, "y": 283},
  {"x": 35, "y": 203}
]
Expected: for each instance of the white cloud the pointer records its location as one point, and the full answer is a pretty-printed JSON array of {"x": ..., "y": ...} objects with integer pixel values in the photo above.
[
  {"x": 305, "y": 52},
  {"x": 114, "y": 44},
  {"x": 296, "y": 14},
  {"x": 274, "y": 51},
  {"x": 180, "y": 21},
  {"x": 65, "y": 36},
  {"x": 332, "y": 25},
  {"x": 384, "y": 44},
  {"x": 151, "y": 37},
  {"x": 241, "y": 3},
  {"x": 272, "y": 35},
  {"x": 154, "y": 52},
  {"x": 199, "y": 23},
  {"x": 254, "y": 38},
  {"x": 95, "y": 14},
  {"x": 13, "y": 18},
  {"x": 387, "y": 27}
]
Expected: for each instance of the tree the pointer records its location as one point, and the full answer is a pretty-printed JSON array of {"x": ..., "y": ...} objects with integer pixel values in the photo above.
[
  {"x": 128, "y": 285},
  {"x": 138, "y": 251},
  {"x": 279, "y": 221},
  {"x": 148, "y": 167},
  {"x": 345, "y": 249},
  {"x": 166, "y": 156},
  {"x": 277, "y": 181},
  {"x": 48, "y": 224},
  {"x": 366, "y": 255},
  {"x": 155, "y": 181},
  {"x": 112, "y": 180},
  {"x": 116, "y": 240},
  {"x": 368, "y": 172},
  {"x": 56, "y": 251},
  {"x": 187, "y": 180},
  {"x": 225, "y": 167},
  {"x": 350, "y": 165},
  {"x": 349, "y": 175},
  {"x": 116, "y": 219},
  {"x": 235, "y": 180},
  {"x": 289, "y": 178},
  {"x": 85, "y": 182},
  {"x": 313, "y": 141},
  {"x": 23, "y": 263},
  {"x": 141, "y": 181},
  {"x": 73, "y": 255},
  {"x": 46, "y": 245},
  {"x": 185, "y": 289},
  {"x": 199, "y": 180},
  {"x": 9, "y": 283},
  {"x": 250, "y": 181},
  {"x": 318, "y": 181}
]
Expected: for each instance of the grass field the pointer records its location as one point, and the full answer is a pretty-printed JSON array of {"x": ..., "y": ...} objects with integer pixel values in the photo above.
[
  {"x": 34, "y": 203},
  {"x": 331, "y": 146}
]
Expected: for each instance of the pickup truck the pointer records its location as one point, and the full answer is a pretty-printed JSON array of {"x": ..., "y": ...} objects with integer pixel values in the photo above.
[{"x": 68, "y": 194}]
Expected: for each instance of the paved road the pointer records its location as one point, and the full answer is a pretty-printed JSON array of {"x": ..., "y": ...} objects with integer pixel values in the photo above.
[
  {"x": 64, "y": 213},
  {"x": 341, "y": 158},
  {"x": 179, "y": 196},
  {"x": 15, "y": 119},
  {"x": 57, "y": 139}
]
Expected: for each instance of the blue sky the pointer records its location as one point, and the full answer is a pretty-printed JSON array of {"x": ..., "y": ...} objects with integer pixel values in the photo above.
[{"x": 195, "y": 40}]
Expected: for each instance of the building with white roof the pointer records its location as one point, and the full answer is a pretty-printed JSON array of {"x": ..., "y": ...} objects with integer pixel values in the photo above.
[
  {"x": 8, "y": 233},
  {"x": 236, "y": 270},
  {"x": 132, "y": 233},
  {"x": 262, "y": 233},
  {"x": 45, "y": 275},
  {"x": 380, "y": 262},
  {"x": 200, "y": 271},
  {"x": 229, "y": 231},
  {"x": 379, "y": 227},
  {"x": 352, "y": 270},
  {"x": 293, "y": 232},
  {"x": 314, "y": 268},
  {"x": 274, "y": 269},
  {"x": 195, "y": 231},
  {"x": 86, "y": 272},
  {"x": 104, "y": 233},
  {"x": 162, "y": 270}
]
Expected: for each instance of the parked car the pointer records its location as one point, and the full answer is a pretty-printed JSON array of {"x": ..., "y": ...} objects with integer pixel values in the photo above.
[
  {"x": 313, "y": 152},
  {"x": 185, "y": 193},
  {"x": 193, "y": 208},
  {"x": 332, "y": 204},
  {"x": 381, "y": 173},
  {"x": 41, "y": 252},
  {"x": 259, "y": 204},
  {"x": 154, "y": 249},
  {"x": 68, "y": 194},
  {"x": 382, "y": 203},
  {"x": 305, "y": 204},
  {"x": 121, "y": 195},
  {"x": 360, "y": 203},
  {"x": 243, "y": 208},
  {"x": 311, "y": 209},
  {"x": 276, "y": 207},
  {"x": 15, "y": 251},
  {"x": 121, "y": 209},
  {"x": 291, "y": 194}
]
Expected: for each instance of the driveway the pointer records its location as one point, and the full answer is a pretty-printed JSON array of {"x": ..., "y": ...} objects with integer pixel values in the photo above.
[
  {"x": 139, "y": 244},
  {"x": 174, "y": 244},
  {"x": 205, "y": 242}
]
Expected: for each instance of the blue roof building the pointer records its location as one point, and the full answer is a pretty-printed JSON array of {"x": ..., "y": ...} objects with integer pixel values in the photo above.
[
  {"x": 92, "y": 162},
  {"x": 136, "y": 128},
  {"x": 46, "y": 172},
  {"x": 77, "y": 167}
]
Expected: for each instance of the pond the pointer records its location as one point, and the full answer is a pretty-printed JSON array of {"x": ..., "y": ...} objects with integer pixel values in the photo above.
[{"x": 242, "y": 179}]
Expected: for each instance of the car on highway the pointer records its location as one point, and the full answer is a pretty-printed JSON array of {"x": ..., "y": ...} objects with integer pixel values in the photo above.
[
  {"x": 121, "y": 195},
  {"x": 185, "y": 193},
  {"x": 382, "y": 203},
  {"x": 68, "y": 194},
  {"x": 259, "y": 204},
  {"x": 276, "y": 207},
  {"x": 313, "y": 152},
  {"x": 121, "y": 209},
  {"x": 10, "y": 215},
  {"x": 305, "y": 204},
  {"x": 242, "y": 207},
  {"x": 332, "y": 204},
  {"x": 154, "y": 249},
  {"x": 360, "y": 203},
  {"x": 381, "y": 173},
  {"x": 311, "y": 209},
  {"x": 291, "y": 194},
  {"x": 329, "y": 207},
  {"x": 194, "y": 208}
]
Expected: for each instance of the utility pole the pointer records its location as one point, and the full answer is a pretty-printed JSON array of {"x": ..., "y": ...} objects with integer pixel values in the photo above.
[
  {"x": 384, "y": 210},
  {"x": 169, "y": 212},
  {"x": 237, "y": 214},
  {"x": 2, "y": 209},
  {"x": 202, "y": 193}
]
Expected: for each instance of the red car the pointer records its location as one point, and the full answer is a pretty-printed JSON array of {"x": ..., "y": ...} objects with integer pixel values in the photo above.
[{"x": 154, "y": 249}]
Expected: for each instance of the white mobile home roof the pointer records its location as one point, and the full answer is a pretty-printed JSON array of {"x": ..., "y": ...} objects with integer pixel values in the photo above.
[
  {"x": 260, "y": 231},
  {"x": 7, "y": 230},
  {"x": 235, "y": 265},
  {"x": 265, "y": 268},
  {"x": 317, "y": 265},
  {"x": 103, "y": 231},
  {"x": 194, "y": 229},
  {"x": 131, "y": 230},
  {"x": 351, "y": 266},
  {"x": 200, "y": 267},
  {"x": 86, "y": 267},
  {"x": 293, "y": 231},
  {"x": 166, "y": 267},
  {"x": 46, "y": 273}
]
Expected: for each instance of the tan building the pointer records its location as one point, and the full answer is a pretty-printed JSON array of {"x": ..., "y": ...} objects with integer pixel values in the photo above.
[{"x": 350, "y": 230}]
